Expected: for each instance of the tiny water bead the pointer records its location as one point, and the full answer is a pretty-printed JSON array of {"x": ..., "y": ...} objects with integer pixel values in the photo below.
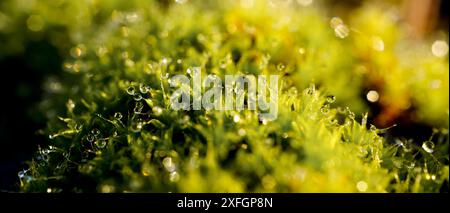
[
  {"x": 136, "y": 125},
  {"x": 118, "y": 116},
  {"x": 157, "y": 110},
  {"x": 169, "y": 164},
  {"x": 144, "y": 88},
  {"x": 377, "y": 44},
  {"x": 95, "y": 132},
  {"x": 350, "y": 114},
  {"x": 372, "y": 96},
  {"x": 362, "y": 186},
  {"x": 428, "y": 146},
  {"x": 301, "y": 50},
  {"x": 131, "y": 90},
  {"x": 70, "y": 105},
  {"x": 325, "y": 109},
  {"x": 341, "y": 31},
  {"x": 335, "y": 22},
  {"x": 242, "y": 132},
  {"x": 23, "y": 176},
  {"x": 236, "y": 118},
  {"x": 311, "y": 90},
  {"x": 281, "y": 67},
  {"x": 331, "y": 99},
  {"x": 90, "y": 137},
  {"x": 137, "y": 97},
  {"x": 138, "y": 106},
  {"x": 174, "y": 177},
  {"x": 439, "y": 48},
  {"x": 100, "y": 144}
]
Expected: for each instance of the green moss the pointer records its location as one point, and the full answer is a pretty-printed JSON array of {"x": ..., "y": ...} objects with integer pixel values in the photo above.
[{"x": 309, "y": 148}]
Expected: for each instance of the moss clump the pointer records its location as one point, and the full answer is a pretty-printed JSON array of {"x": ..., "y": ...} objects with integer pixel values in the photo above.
[{"x": 101, "y": 138}]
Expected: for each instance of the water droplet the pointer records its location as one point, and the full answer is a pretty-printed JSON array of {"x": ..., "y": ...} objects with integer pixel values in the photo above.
[
  {"x": 350, "y": 113},
  {"x": 373, "y": 128},
  {"x": 428, "y": 146},
  {"x": 157, "y": 110},
  {"x": 335, "y": 21},
  {"x": 137, "y": 97},
  {"x": 301, "y": 50},
  {"x": 377, "y": 44},
  {"x": 118, "y": 116},
  {"x": 76, "y": 52},
  {"x": 137, "y": 125},
  {"x": 285, "y": 135},
  {"x": 24, "y": 177},
  {"x": 439, "y": 48},
  {"x": 341, "y": 31},
  {"x": 244, "y": 146},
  {"x": 242, "y": 132},
  {"x": 292, "y": 92},
  {"x": 131, "y": 90},
  {"x": 361, "y": 186},
  {"x": 325, "y": 109},
  {"x": 22, "y": 173},
  {"x": 311, "y": 90},
  {"x": 164, "y": 61},
  {"x": 95, "y": 132},
  {"x": 90, "y": 137},
  {"x": 236, "y": 118},
  {"x": 333, "y": 122},
  {"x": 144, "y": 88},
  {"x": 372, "y": 96},
  {"x": 174, "y": 177},
  {"x": 364, "y": 120},
  {"x": 331, "y": 99},
  {"x": 138, "y": 107},
  {"x": 70, "y": 105},
  {"x": 169, "y": 164},
  {"x": 281, "y": 67},
  {"x": 100, "y": 144}
]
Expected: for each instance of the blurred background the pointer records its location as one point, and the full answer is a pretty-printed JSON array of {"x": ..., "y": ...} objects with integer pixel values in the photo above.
[{"x": 29, "y": 66}]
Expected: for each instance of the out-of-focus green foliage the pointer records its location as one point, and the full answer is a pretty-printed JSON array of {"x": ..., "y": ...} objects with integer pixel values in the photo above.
[{"x": 111, "y": 128}]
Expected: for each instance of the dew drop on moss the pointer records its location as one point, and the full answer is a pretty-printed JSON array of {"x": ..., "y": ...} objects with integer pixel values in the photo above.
[
  {"x": 138, "y": 107},
  {"x": 137, "y": 97},
  {"x": 144, "y": 88},
  {"x": 281, "y": 67},
  {"x": 95, "y": 132},
  {"x": 118, "y": 115},
  {"x": 130, "y": 90},
  {"x": 157, "y": 110},
  {"x": 428, "y": 146},
  {"x": 331, "y": 99},
  {"x": 341, "y": 31},
  {"x": 90, "y": 137}
]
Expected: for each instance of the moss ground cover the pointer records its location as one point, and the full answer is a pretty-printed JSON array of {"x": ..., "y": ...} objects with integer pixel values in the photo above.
[{"x": 110, "y": 127}]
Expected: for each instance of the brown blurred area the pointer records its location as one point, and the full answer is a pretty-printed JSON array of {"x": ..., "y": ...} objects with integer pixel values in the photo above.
[{"x": 423, "y": 16}]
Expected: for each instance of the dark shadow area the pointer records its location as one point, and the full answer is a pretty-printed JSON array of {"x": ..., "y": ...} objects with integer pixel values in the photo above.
[{"x": 22, "y": 79}]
